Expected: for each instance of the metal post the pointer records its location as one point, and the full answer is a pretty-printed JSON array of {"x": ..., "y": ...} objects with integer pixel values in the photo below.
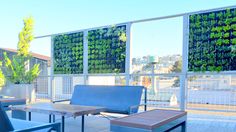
[
  {"x": 128, "y": 54},
  {"x": 183, "y": 77},
  {"x": 145, "y": 99},
  {"x": 85, "y": 57},
  {"x": 154, "y": 90},
  {"x": 51, "y": 87}
]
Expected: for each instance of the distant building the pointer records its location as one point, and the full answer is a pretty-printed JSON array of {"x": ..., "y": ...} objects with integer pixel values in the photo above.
[{"x": 44, "y": 62}]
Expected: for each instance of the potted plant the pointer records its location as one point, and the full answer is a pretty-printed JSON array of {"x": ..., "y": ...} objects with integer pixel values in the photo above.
[{"x": 17, "y": 70}]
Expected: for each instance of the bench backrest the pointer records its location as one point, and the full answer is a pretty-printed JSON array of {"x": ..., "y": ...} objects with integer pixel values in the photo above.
[
  {"x": 6, "y": 125},
  {"x": 117, "y": 99}
]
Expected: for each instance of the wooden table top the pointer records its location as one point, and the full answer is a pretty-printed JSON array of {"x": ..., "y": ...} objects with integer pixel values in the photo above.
[
  {"x": 59, "y": 109},
  {"x": 149, "y": 119}
]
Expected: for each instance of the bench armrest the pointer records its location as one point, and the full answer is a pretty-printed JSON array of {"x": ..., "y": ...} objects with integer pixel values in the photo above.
[
  {"x": 136, "y": 106},
  {"x": 54, "y": 126},
  {"x": 63, "y": 100}
]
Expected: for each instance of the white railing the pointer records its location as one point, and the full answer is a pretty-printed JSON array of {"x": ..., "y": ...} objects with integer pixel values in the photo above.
[{"x": 216, "y": 92}]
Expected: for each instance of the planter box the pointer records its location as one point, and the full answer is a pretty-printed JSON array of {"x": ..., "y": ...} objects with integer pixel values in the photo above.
[{"x": 26, "y": 91}]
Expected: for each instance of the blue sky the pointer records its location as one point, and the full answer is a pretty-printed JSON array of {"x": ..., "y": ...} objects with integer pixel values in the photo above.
[{"x": 55, "y": 16}]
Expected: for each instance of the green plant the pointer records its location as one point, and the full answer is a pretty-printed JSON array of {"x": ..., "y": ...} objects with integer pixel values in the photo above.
[
  {"x": 68, "y": 53},
  {"x": 234, "y": 19},
  {"x": 212, "y": 40},
  {"x": 228, "y": 21},
  {"x": 2, "y": 77},
  {"x": 108, "y": 44},
  {"x": 233, "y": 41},
  {"x": 233, "y": 26},
  {"x": 212, "y": 16},
  {"x": 226, "y": 28},
  {"x": 219, "y": 42},
  {"x": 226, "y": 35},
  {"x": 17, "y": 69}
]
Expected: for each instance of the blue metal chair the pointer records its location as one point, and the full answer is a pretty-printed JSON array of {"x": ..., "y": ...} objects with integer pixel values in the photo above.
[{"x": 17, "y": 125}]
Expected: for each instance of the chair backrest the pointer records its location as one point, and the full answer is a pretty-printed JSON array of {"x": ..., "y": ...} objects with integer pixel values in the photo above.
[
  {"x": 117, "y": 99},
  {"x": 6, "y": 125}
]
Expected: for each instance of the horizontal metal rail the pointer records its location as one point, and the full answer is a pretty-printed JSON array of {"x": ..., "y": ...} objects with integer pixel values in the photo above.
[{"x": 144, "y": 20}]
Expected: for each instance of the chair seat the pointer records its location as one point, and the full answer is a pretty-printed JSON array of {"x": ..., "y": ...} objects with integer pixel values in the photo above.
[{"x": 22, "y": 124}]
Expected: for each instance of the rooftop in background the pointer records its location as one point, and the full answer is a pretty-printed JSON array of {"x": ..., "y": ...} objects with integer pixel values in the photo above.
[
  {"x": 35, "y": 55},
  {"x": 39, "y": 56}
]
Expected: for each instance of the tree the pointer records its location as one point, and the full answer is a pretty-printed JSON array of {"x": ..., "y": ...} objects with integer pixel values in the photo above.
[
  {"x": 177, "y": 67},
  {"x": 2, "y": 77},
  {"x": 17, "y": 70}
]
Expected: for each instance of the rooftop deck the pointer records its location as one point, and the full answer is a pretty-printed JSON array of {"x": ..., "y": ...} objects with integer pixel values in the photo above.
[{"x": 196, "y": 122}]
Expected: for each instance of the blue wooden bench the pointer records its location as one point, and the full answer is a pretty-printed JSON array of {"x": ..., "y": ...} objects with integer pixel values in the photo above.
[
  {"x": 151, "y": 121},
  {"x": 17, "y": 125},
  {"x": 116, "y": 99}
]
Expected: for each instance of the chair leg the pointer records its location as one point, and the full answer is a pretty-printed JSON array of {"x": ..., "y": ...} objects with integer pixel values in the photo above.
[
  {"x": 63, "y": 123},
  {"x": 82, "y": 125},
  {"x": 50, "y": 118},
  {"x": 54, "y": 118},
  {"x": 29, "y": 116}
]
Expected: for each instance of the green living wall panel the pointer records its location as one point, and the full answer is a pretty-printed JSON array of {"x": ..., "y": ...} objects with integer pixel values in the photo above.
[
  {"x": 212, "y": 41},
  {"x": 68, "y": 53},
  {"x": 107, "y": 50}
]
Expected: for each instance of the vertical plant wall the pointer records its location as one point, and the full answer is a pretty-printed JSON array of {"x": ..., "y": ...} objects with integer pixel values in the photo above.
[
  {"x": 212, "y": 41},
  {"x": 68, "y": 53},
  {"x": 107, "y": 50}
]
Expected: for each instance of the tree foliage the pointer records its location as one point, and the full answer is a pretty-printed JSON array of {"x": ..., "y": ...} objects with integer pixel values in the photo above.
[
  {"x": 17, "y": 70},
  {"x": 2, "y": 77},
  {"x": 177, "y": 67}
]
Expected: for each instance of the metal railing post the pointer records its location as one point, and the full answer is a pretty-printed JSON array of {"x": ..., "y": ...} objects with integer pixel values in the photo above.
[
  {"x": 85, "y": 60},
  {"x": 128, "y": 54},
  {"x": 183, "y": 77}
]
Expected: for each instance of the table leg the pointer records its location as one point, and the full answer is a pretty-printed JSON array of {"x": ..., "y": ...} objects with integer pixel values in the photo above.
[
  {"x": 50, "y": 118},
  {"x": 53, "y": 118},
  {"x": 82, "y": 125},
  {"x": 183, "y": 126},
  {"x": 29, "y": 116},
  {"x": 62, "y": 123}
]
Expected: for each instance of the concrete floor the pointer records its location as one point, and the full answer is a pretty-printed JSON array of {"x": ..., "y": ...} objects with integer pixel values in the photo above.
[{"x": 195, "y": 123}]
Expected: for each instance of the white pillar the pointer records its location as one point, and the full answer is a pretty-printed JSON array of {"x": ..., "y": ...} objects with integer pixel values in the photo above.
[
  {"x": 85, "y": 57},
  {"x": 51, "y": 90},
  {"x": 128, "y": 54},
  {"x": 154, "y": 78},
  {"x": 183, "y": 77}
]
